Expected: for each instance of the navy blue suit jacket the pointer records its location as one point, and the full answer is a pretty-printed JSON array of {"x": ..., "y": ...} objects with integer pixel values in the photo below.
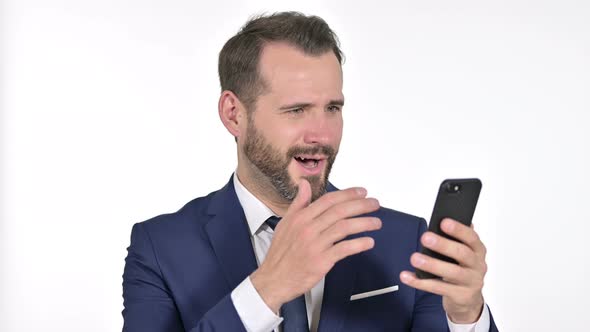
[{"x": 181, "y": 269}]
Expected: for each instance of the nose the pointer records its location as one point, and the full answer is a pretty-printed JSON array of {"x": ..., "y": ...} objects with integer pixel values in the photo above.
[{"x": 321, "y": 129}]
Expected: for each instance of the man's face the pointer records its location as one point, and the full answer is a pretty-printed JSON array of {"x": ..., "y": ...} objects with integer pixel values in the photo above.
[{"x": 296, "y": 128}]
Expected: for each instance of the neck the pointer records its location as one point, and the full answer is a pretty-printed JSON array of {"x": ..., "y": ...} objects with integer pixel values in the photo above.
[{"x": 259, "y": 185}]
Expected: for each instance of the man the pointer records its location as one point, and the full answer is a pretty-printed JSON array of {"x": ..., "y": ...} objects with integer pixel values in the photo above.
[{"x": 279, "y": 248}]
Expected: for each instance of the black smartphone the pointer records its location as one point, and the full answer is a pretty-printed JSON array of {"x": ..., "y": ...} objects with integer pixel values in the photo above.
[{"x": 456, "y": 199}]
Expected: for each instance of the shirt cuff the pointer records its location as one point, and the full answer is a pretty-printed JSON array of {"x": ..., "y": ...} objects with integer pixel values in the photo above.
[
  {"x": 482, "y": 324},
  {"x": 254, "y": 313}
]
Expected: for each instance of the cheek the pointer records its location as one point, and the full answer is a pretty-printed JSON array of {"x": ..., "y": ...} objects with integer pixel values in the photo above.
[
  {"x": 336, "y": 133},
  {"x": 285, "y": 136},
  {"x": 281, "y": 138}
]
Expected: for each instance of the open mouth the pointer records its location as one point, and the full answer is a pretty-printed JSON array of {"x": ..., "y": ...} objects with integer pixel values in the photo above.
[{"x": 308, "y": 162}]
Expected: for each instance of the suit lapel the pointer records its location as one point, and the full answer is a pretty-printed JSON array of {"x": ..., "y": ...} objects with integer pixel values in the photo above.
[
  {"x": 337, "y": 291},
  {"x": 229, "y": 236}
]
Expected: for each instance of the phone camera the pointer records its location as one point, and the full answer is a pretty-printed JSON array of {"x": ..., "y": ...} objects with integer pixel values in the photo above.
[{"x": 453, "y": 188}]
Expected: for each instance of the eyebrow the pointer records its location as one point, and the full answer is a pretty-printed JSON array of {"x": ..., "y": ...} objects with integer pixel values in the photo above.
[{"x": 337, "y": 102}]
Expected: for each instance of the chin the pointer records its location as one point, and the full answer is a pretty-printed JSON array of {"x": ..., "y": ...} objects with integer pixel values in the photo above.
[
  {"x": 317, "y": 183},
  {"x": 316, "y": 176}
]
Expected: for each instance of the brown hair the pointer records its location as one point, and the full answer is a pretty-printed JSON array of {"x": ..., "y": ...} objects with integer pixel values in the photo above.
[{"x": 239, "y": 57}]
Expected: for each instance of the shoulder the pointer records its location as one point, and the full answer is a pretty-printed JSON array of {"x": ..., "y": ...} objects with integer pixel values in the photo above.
[
  {"x": 188, "y": 220},
  {"x": 396, "y": 221},
  {"x": 400, "y": 231},
  {"x": 396, "y": 224}
]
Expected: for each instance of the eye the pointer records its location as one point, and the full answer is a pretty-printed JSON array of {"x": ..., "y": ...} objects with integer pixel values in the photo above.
[
  {"x": 334, "y": 109},
  {"x": 296, "y": 110}
]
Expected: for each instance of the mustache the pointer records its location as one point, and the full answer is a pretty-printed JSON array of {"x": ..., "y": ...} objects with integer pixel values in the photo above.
[{"x": 326, "y": 150}]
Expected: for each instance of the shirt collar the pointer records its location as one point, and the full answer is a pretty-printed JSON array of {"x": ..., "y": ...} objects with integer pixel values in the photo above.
[{"x": 255, "y": 211}]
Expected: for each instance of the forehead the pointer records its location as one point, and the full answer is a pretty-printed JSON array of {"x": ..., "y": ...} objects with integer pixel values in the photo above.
[{"x": 288, "y": 70}]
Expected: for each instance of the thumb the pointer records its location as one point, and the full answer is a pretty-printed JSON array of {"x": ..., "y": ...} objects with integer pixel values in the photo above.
[{"x": 303, "y": 197}]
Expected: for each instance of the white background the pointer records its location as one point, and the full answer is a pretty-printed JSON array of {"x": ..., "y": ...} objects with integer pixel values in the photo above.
[{"x": 109, "y": 117}]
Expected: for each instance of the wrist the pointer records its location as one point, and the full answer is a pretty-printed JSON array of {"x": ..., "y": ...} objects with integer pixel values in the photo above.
[
  {"x": 267, "y": 292},
  {"x": 467, "y": 316}
]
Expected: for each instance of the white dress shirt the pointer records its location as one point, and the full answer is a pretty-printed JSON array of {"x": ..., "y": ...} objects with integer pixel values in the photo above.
[{"x": 254, "y": 313}]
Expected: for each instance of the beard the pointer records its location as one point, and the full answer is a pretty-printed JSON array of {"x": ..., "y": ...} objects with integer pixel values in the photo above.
[{"x": 273, "y": 165}]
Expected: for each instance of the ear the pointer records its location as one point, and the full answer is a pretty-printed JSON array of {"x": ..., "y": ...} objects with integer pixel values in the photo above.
[{"x": 232, "y": 113}]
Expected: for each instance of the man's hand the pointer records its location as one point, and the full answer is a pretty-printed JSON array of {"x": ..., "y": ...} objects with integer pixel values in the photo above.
[
  {"x": 461, "y": 284},
  {"x": 306, "y": 245}
]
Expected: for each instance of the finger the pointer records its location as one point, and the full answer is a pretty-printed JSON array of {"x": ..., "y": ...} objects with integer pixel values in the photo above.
[
  {"x": 332, "y": 198},
  {"x": 302, "y": 199},
  {"x": 434, "y": 286},
  {"x": 346, "y": 227},
  {"x": 460, "y": 252},
  {"x": 347, "y": 248},
  {"x": 450, "y": 272},
  {"x": 464, "y": 234},
  {"x": 346, "y": 210}
]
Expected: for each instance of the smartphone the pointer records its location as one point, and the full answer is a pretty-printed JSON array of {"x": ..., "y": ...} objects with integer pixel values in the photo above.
[{"x": 456, "y": 199}]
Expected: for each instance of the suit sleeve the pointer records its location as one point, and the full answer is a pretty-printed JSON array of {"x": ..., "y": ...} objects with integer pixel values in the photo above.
[
  {"x": 148, "y": 302},
  {"x": 429, "y": 314}
]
